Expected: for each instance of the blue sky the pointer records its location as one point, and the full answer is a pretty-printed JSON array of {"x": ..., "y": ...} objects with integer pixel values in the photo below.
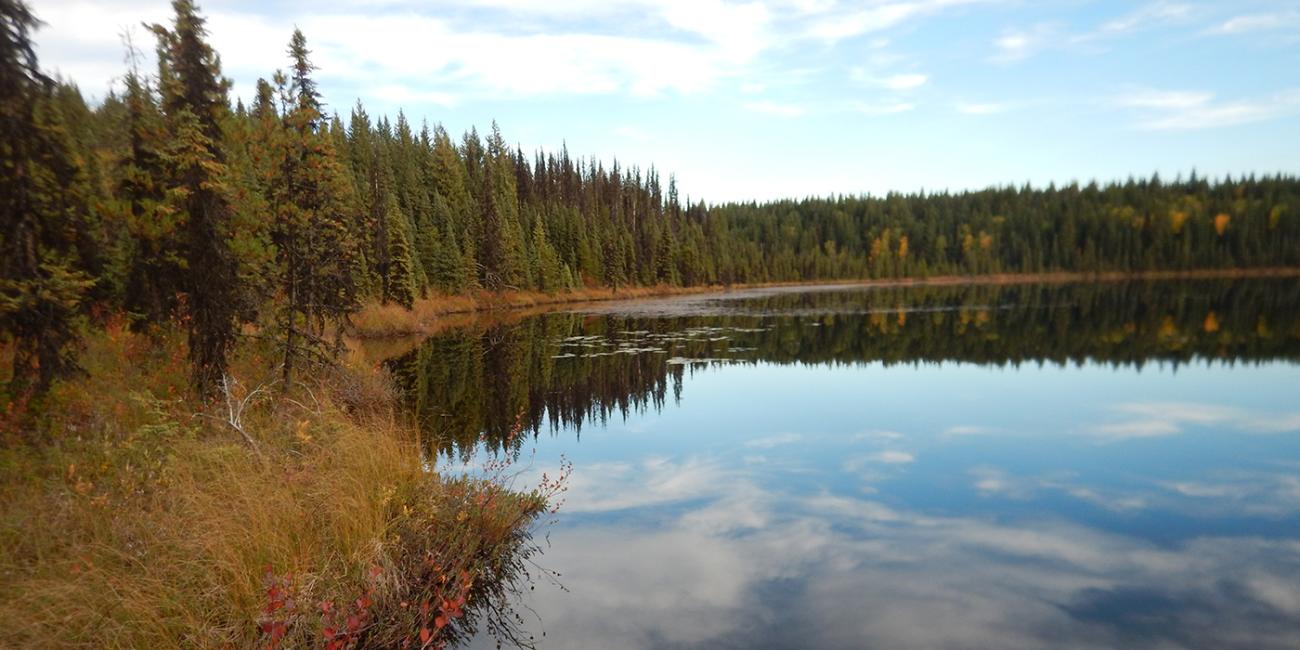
[{"x": 774, "y": 98}]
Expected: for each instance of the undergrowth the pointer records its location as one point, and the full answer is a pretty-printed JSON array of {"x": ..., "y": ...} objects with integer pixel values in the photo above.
[{"x": 303, "y": 517}]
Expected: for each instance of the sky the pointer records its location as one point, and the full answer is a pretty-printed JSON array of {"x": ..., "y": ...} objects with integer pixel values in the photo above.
[{"x": 768, "y": 99}]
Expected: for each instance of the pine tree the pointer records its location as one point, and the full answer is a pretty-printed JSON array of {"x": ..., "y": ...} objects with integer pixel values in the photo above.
[
  {"x": 546, "y": 261},
  {"x": 194, "y": 101},
  {"x": 155, "y": 263},
  {"x": 42, "y": 199},
  {"x": 400, "y": 286},
  {"x": 501, "y": 238},
  {"x": 460, "y": 217},
  {"x": 309, "y": 195}
]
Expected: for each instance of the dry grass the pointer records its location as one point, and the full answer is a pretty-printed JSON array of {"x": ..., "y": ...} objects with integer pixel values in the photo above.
[
  {"x": 126, "y": 520},
  {"x": 376, "y": 321},
  {"x": 427, "y": 316}
]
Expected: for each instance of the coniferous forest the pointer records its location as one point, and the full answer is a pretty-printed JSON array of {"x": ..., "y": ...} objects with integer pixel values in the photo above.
[
  {"x": 168, "y": 200},
  {"x": 197, "y": 449}
]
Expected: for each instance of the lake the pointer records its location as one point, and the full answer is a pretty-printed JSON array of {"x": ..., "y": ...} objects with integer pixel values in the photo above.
[{"x": 1069, "y": 465}]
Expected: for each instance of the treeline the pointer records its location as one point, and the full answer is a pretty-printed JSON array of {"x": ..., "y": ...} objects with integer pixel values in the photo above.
[
  {"x": 561, "y": 370},
  {"x": 168, "y": 203}
]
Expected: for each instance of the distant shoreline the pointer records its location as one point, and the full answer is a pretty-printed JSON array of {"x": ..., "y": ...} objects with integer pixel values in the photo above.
[{"x": 391, "y": 321}]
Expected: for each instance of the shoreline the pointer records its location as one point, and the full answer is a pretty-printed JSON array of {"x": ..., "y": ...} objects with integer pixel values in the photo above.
[{"x": 376, "y": 322}]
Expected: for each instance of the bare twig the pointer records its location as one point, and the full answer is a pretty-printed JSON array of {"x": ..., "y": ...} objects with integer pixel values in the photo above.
[{"x": 236, "y": 406}]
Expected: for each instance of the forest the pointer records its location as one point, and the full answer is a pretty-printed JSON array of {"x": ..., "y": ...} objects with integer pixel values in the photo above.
[
  {"x": 168, "y": 202},
  {"x": 197, "y": 449}
]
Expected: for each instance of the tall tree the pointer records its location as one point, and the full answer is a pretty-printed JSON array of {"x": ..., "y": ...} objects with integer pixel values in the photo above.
[
  {"x": 155, "y": 265},
  {"x": 312, "y": 203},
  {"x": 42, "y": 201},
  {"x": 195, "y": 103}
]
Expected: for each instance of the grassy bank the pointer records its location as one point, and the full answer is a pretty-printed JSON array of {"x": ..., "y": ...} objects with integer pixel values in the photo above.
[
  {"x": 376, "y": 321},
  {"x": 130, "y": 517},
  {"x": 430, "y": 315}
]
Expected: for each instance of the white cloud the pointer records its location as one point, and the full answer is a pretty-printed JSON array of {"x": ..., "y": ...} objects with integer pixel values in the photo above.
[
  {"x": 1255, "y": 23},
  {"x": 904, "y": 81},
  {"x": 1158, "y": 419},
  {"x": 871, "y": 575},
  {"x": 879, "y": 436},
  {"x": 1137, "y": 429},
  {"x": 892, "y": 457},
  {"x": 879, "y": 17},
  {"x": 1185, "y": 110},
  {"x": 403, "y": 94},
  {"x": 882, "y": 108},
  {"x": 982, "y": 108},
  {"x": 965, "y": 430},
  {"x": 609, "y": 487},
  {"x": 990, "y": 481},
  {"x": 1154, "y": 13},
  {"x": 402, "y": 53},
  {"x": 1164, "y": 99},
  {"x": 1018, "y": 44},
  {"x": 776, "y": 440},
  {"x": 769, "y": 107}
]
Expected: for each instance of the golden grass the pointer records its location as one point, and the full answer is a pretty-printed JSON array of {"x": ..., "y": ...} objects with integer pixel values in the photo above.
[
  {"x": 377, "y": 321},
  {"x": 129, "y": 521}
]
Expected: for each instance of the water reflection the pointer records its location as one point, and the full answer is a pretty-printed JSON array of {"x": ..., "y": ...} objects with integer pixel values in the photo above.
[
  {"x": 566, "y": 369},
  {"x": 1070, "y": 466}
]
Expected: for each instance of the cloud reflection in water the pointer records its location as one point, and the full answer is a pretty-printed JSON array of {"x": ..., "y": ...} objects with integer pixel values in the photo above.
[{"x": 715, "y": 559}]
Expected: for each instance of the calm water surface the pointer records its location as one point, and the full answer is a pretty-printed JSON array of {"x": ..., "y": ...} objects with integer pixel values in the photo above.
[{"x": 1110, "y": 465}]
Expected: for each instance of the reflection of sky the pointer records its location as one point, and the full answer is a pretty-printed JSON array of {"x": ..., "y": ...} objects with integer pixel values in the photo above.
[{"x": 936, "y": 506}]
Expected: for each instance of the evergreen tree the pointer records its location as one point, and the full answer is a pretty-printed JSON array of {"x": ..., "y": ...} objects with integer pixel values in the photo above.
[
  {"x": 195, "y": 103},
  {"x": 310, "y": 205},
  {"x": 545, "y": 260},
  {"x": 400, "y": 284},
  {"x": 42, "y": 201},
  {"x": 155, "y": 265}
]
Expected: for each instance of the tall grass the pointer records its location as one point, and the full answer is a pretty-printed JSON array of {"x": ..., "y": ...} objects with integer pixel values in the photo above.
[{"x": 130, "y": 518}]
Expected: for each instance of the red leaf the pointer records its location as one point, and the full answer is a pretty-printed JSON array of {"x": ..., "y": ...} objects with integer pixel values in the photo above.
[
  {"x": 425, "y": 635},
  {"x": 440, "y": 622}
]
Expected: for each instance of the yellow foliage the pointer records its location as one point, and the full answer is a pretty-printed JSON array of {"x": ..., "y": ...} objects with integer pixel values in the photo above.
[
  {"x": 1221, "y": 222},
  {"x": 1168, "y": 328},
  {"x": 1211, "y": 323},
  {"x": 986, "y": 241},
  {"x": 1176, "y": 220},
  {"x": 1275, "y": 215},
  {"x": 902, "y": 247},
  {"x": 1262, "y": 329}
]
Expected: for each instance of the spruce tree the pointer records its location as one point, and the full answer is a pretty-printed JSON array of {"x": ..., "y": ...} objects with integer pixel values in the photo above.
[
  {"x": 194, "y": 101},
  {"x": 42, "y": 200},
  {"x": 311, "y": 204},
  {"x": 400, "y": 285},
  {"x": 155, "y": 264}
]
